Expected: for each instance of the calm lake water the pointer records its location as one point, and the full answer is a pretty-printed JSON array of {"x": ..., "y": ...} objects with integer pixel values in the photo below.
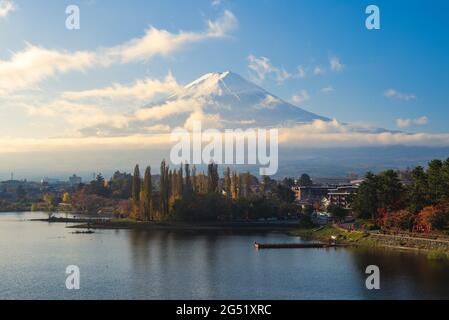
[{"x": 126, "y": 264}]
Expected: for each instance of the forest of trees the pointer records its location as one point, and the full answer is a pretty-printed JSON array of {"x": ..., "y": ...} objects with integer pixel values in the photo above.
[
  {"x": 422, "y": 204},
  {"x": 183, "y": 194}
]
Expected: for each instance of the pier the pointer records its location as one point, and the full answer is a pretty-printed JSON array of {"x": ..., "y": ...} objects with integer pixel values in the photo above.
[{"x": 297, "y": 245}]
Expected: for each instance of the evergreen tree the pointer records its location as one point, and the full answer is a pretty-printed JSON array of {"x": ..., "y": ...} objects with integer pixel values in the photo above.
[
  {"x": 366, "y": 202},
  {"x": 437, "y": 184},
  {"x": 418, "y": 191},
  {"x": 390, "y": 191},
  {"x": 305, "y": 180}
]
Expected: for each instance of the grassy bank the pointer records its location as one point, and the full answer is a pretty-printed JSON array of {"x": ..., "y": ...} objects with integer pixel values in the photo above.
[{"x": 326, "y": 232}]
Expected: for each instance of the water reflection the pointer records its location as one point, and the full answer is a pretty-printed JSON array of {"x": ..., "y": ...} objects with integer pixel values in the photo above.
[{"x": 127, "y": 264}]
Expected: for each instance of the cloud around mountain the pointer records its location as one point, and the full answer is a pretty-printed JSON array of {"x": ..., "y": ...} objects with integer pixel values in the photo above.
[{"x": 219, "y": 100}]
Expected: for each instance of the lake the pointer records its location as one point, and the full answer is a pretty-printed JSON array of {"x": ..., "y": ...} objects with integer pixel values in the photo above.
[{"x": 128, "y": 264}]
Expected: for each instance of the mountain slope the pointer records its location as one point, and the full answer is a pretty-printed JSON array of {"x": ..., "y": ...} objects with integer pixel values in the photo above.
[
  {"x": 239, "y": 103},
  {"x": 219, "y": 100}
]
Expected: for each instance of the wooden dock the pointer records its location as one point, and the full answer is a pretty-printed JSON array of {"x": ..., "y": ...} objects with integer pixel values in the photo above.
[{"x": 297, "y": 245}]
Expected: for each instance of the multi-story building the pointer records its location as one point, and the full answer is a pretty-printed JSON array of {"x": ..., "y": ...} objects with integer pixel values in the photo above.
[{"x": 340, "y": 196}]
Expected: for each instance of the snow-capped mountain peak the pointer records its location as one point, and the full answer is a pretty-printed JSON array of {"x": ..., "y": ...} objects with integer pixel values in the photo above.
[{"x": 238, "y": 101}]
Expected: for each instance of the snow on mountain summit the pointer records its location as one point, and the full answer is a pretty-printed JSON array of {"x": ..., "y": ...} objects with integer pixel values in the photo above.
[
  {"x": 239, "y": 102},
  {"x": 219, "y": 100}
]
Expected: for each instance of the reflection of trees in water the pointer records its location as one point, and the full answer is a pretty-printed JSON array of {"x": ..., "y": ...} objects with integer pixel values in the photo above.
[
  {"x": 160, "y": 258},
  {"x": 403, "y": 275}
]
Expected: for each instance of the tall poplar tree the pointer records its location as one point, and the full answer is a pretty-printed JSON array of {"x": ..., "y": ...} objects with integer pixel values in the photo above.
[
  {"x": 147, "y": 195},
  {"x": 227, "y": 182},
  {"x": 136, "y": 190}
]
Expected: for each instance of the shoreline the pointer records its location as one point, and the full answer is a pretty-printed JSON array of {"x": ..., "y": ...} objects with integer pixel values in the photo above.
[
  {"x": 373, "y": 240},
  {"x": 353, "y": 238},
  {"x": 173, "y": 226}
]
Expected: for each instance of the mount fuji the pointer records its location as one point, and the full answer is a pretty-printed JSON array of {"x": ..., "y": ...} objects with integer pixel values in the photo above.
[
  {"x": 219, "y": 100},
  {"x": 240, "y": 103}
]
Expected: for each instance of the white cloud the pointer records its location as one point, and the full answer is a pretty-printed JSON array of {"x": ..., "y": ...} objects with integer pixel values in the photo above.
[
  {"x": 167, "y": 109},
  {"x": 301, "y": 97},
  {"x": 394, "y": 94},
  {"x": 76, "y": 115},
  {"x": 335, "y": 64},
  {"x": 332, "y": 134},
  {"x": 6, "y": 7},
  {"x": 316, "y": 134},
  {"x": 319, "y": 71},
  {"x": 141, "y": 90},
  {"x": 162, "y": 42},
  {"x": 301, "y": 72},
  {"x": 404, "y": 123},
  {"x": 327, "y": 89},
  {"x": 269, "y": 102},
  {"x": 34, "y": 64},
  {"x": 262, "y": 67},
  {"x": 208, "y": 121}
]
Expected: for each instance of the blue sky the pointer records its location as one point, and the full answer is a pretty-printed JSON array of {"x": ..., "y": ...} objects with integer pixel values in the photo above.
[
  {"x": 409, "y": 53},
  {"x": 316, "y": 54}
]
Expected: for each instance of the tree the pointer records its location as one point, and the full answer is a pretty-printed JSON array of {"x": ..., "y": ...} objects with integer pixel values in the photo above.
[
  {"x": 432, "y": 218},
  {"x": 338, "y": 212},
  {"x": 136, "y": 189},
  {"x": 99, "y": 186},
  {"x": 288, "y": 182},
  {"x": 194, "y": 180},
  {"x": 66, "y": 197},
  {"x": 437, "y": 184},
  {"x": 212, "y": 177},
  {"x": 21, "y": 193},
  {"x": 265, "y": 186},
  {"x": 121, "y": 185},
  {"x": 418, "y": 191},
  {"x": 164, "y": 189},
  {"x": 240, "y": 185},
  {"x": 305, "y": 180},
  {"x": 147, "y": 195},
  {"x": 247, "y": 185},
  {"x": 234, "y": 186},
  {"x": 188, "y": 182},
  {"x": 285, "y": 193},
  {"x": 227, "y": 182},
  {"x": 49, "y": 199},
  {"x": 390, "y": 191},
  {"x": 366, "y": 202}
]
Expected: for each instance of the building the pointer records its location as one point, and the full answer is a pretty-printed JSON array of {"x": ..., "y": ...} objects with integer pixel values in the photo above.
[
  {"x": 75, "y": 180},
  {"x": 311, "y": 194},
  {"x": 340, "y": 196}
]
